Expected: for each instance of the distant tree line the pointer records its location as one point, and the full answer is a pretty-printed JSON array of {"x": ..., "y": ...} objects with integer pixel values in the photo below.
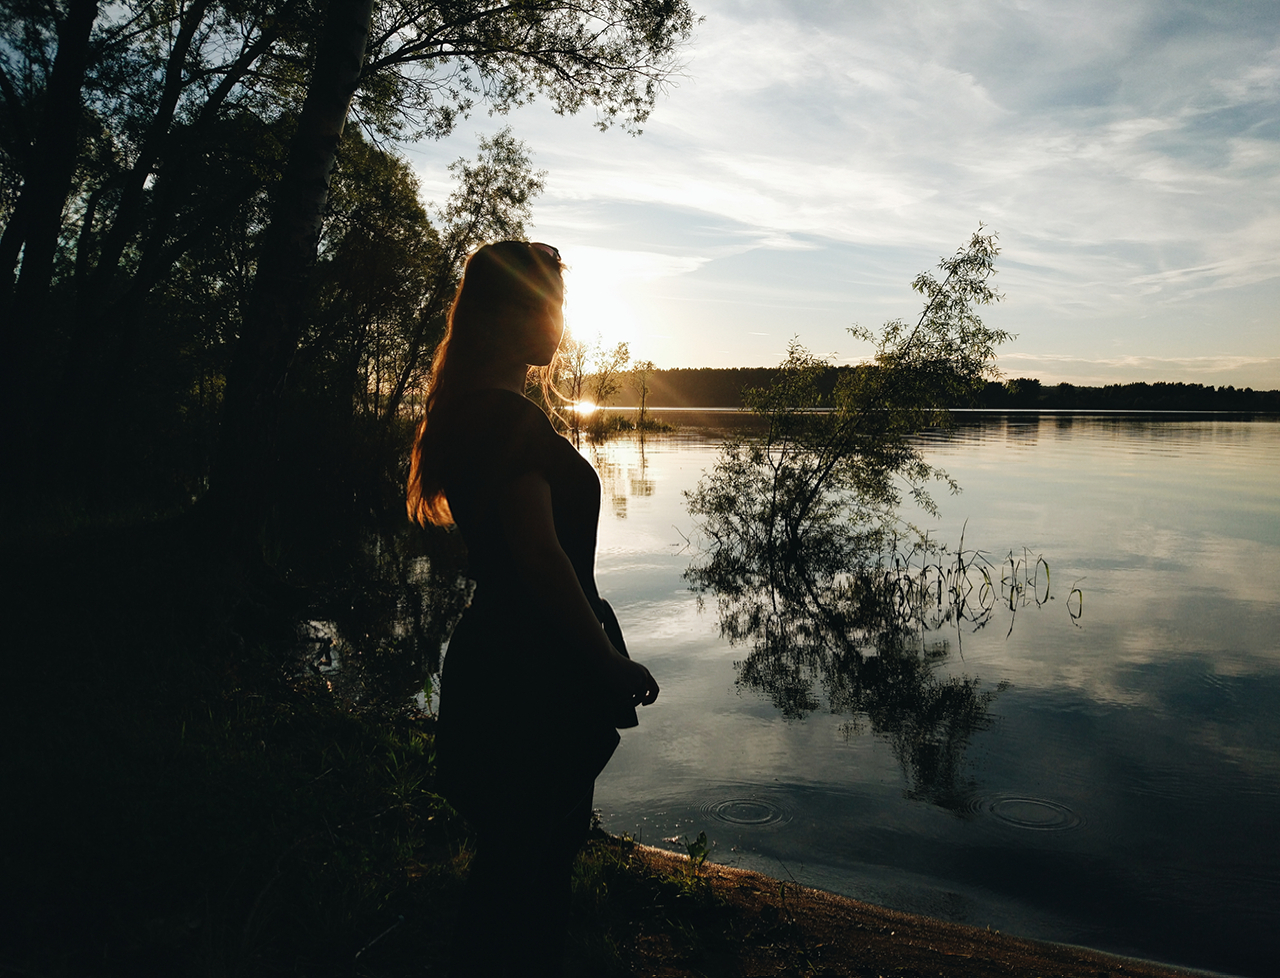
[
  {"x": 723, "y": 387},
  {"x": 711, "y": 386},
  {"x": 1027, "y": 392}
]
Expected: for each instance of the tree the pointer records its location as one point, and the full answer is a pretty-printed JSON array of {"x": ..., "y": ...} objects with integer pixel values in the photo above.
[
  {"x": 863, "y": 445},
  {"x": 43, "y": 148},
  {"x": 241, "y": 482},
  {"x": 48, "y": 161},
  {"x": 571, "y": 366},
  {"x": 608, "y": 367},
  {"x": 379, "y": 259},
  {"x": 640, "y": 374},
  {"x": 156, "y": 81},
  {"x": 492, "y": 202},
  {"x": 1023, "y": 391},
  {"x": 431, "y": 62}
]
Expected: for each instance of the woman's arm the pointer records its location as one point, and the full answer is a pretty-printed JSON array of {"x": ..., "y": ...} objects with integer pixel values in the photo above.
[{"x": 529, "y": 525}]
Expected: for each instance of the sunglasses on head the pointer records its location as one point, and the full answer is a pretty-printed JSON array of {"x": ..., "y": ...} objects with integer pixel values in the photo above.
[{"x": 549, "y": 249}]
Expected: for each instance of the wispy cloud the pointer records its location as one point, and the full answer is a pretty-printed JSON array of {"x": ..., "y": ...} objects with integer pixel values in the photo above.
[
  {"x": 1214, "y": 371},
  {"x": 1128, "y": 154}
]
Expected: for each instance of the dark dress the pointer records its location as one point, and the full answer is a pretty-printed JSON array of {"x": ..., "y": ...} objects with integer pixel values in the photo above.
[{"x": 521, "y": 728}]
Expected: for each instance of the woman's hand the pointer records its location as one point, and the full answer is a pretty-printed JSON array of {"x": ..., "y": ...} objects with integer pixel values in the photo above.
[{"x": 631, "y": 681}]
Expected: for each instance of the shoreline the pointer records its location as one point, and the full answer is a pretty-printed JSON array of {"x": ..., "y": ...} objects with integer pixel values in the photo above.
[{"x": 780, "y": 923}]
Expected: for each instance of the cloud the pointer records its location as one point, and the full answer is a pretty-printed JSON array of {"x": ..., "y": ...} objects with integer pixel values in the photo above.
[
  {"x": 1128, "y": 154},
  {"x": 632, "y": 266},
  {"x": 1203, "y": 364},
  {"x": 1214, "y": 371}
]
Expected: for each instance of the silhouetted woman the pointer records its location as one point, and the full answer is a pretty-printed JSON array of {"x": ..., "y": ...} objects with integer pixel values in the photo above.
[{"x": 533, "y": 688}]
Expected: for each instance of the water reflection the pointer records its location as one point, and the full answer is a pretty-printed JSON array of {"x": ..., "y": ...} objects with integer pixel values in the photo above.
[
  {"x": 618, "y": 481},
  {"x": 821, "y": 635},
  {"x": 375, "y": 635}
]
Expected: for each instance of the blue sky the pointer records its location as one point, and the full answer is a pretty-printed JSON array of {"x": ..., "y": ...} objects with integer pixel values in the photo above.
[{"x": 815, "y": 156}]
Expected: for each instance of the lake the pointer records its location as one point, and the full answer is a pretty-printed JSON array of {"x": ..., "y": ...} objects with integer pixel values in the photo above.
[{"x": 1123, "y": 791}]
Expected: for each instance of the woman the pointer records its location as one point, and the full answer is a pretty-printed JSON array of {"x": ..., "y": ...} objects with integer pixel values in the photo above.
[{"x": 533, "y": 688}]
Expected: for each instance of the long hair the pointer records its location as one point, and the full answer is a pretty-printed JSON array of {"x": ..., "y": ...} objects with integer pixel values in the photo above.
[{"x": 503, "y": 285}]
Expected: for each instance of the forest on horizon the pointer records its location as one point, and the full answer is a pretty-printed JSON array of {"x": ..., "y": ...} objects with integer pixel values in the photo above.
[{"x": 722, "y": 387}]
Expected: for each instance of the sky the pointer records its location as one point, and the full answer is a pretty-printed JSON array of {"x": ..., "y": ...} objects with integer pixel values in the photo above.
[{"x": 815, "y": 155}]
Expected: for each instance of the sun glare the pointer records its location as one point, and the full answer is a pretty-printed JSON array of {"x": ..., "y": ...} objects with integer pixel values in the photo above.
[
  {"x": 596, "y": 301},
  {"x": 583, "y": 408}
]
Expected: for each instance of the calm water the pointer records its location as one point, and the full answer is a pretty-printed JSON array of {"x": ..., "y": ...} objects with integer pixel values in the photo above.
[{"x": 1127, "y": 794}]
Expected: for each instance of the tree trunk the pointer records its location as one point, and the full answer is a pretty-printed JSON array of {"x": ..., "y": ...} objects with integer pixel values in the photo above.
[
  {"x": 105, "y": 306},
  {"x": 129, "y": 211},
  {"x": 33, "y": 231},
  {"x": 37, "y": 218},
  {"x": 430, "y": 314},
  {"x": 243, "y": 479}
]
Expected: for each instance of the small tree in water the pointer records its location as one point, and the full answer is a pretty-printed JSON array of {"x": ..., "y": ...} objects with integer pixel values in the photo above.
[
  {"x": 610, "y": 369},
  {"x": 640, "y": 375},
  {"x": 827, "y": 474},
  {"x": 804, "y": 532}
]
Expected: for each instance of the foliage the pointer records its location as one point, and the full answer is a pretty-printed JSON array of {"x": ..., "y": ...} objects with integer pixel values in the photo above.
[
  {"x": 605, "y": 424},
  {"x": 587, "y": 373},
  {"x": 379, "y": 256},
  {"x": 209, "y": 809},
  {"x": 387, "y": 272},
  {"x": 1028, "y": 392},
  {"x": 174, "y": 133},
  {"x": 569, "y": 379},
  {"x": 698, "y": 850},
  {"x": 431, "y": 63},
  {"x": 823, "y": 479},
  {"x": 622, "y": 897}
]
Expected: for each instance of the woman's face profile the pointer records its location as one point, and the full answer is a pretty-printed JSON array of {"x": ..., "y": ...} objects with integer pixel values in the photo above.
[{"x": 541, "y": 334}]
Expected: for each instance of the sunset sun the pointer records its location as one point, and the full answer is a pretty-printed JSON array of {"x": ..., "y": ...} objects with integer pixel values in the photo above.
[{"x": 597, "y": 304}]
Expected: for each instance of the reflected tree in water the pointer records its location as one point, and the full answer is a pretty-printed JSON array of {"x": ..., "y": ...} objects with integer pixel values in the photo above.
[
  {"x": 853, "y": 641},
  {"x": 804, "y": 542},
  {"x": 385, "y": 601}
]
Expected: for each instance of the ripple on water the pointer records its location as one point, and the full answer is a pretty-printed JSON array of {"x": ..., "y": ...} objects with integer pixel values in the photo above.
[
  {"x": 1035, "y": 814},
  {"x": 747, "y": 811}
]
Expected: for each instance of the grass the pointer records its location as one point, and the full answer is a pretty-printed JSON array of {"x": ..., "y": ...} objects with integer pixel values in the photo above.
[
  {"x": 606, "y": 424},
  {"x": 627, "y": 907}
]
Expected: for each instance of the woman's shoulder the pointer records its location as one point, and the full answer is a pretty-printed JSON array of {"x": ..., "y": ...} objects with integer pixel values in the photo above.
[
  {"x": 494, "y": 431},
  {"x": 499, "y": 411}
]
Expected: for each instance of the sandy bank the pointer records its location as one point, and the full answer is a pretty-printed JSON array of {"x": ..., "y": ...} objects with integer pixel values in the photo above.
[{"x": 783, "y": 929}]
